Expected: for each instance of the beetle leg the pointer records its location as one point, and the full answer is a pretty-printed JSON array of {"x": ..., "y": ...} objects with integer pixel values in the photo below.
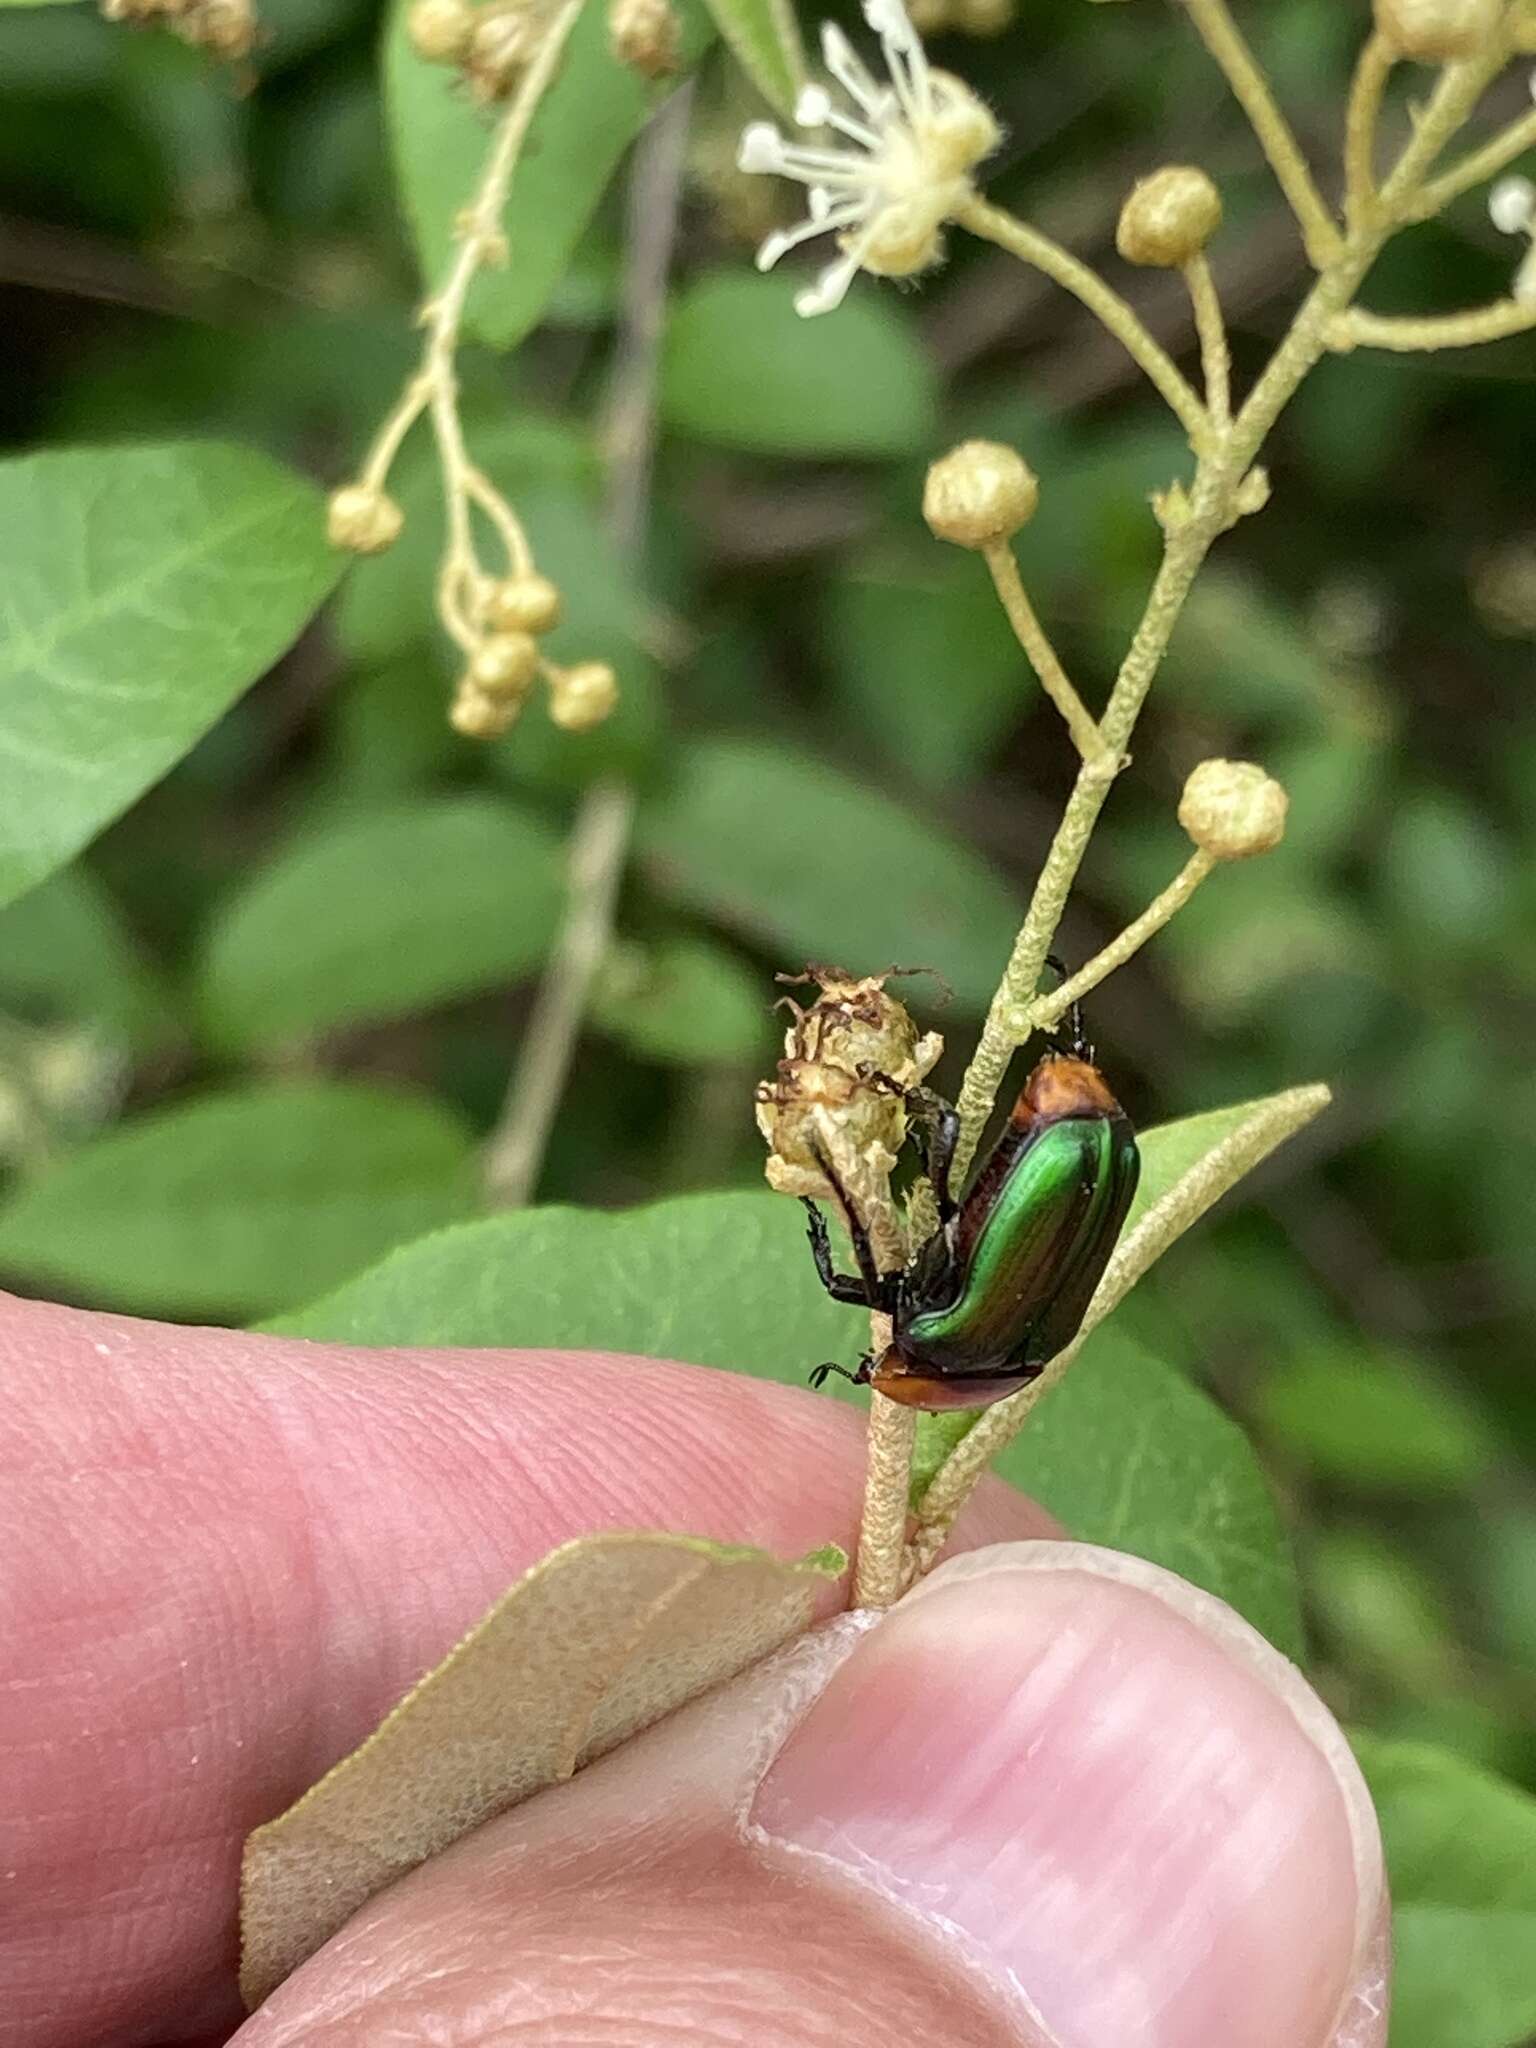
[
  {"x": 938, "y": 1125},
  {"x": 841, "y": 1286},
  {"x": 879, "y": 1288},
  {"x": 860, "y": 1378},
  {"x": 1076, "y": 1045}
]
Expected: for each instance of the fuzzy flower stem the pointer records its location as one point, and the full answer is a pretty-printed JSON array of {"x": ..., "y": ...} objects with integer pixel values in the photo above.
[
  {"x": 1409, "y": 336},
  {"x": 435, "y": 387},
  {"x": 1360, "y": 126},
  {"x": 1215, "y": 358},
  {"x": 996, "y": 224},
  {"x": 1475, "y": 169},
  {"x": 600, "y": 838},
  {"x": 880, "y": 1566},
  {"x": 1031, "y": 636},
  {"x": 1222, "y": 38},
  {"x": 1047, "y": 1011}
]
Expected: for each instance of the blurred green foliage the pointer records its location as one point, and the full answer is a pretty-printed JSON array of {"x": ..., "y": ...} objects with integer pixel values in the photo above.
[{"x": 250, "y": 1036}]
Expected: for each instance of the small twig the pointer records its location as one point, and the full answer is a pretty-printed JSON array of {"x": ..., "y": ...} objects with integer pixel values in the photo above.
[
  {"x": 1047, "y": 1011},
  {"x": 1220, "y": 34},
  {"x": 1215, "y": 357},
  {"x": 600, "y": 836},
  {"x": 1474, "y": 169},
  {"x": 996, "y": 224},
  {"x": 1408, "y": 335},
  {"x": 1360, "y": 125},
  {"x": 1042, "y": 657}
]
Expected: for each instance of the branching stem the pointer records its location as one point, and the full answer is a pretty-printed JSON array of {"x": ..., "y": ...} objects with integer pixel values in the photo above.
[
  {"x": 600, "y": 838},
  {"x": 1360, "y": 125},
  {"x": 1019, "y": 238},
  {"x": 1223, "y": 39},
  {"x": 1032, "y": 637},
  {"x": 1225, "y": 451},
  {"x": 1215, "y": 358}
]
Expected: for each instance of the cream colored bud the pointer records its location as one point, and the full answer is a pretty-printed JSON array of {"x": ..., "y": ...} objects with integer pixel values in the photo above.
[
  {"x": 1232, "y": 809},
  {"x": 524, "y": 604},
  {"x": 583, "y": 696},
  {"x": 363, "y": 519},
  {"x": 440, "y": 30},
  {"x": 479, "y": 716},
  {"x": 979, "y": 493},
  {"x": 645, "y": 35},
  {"x": 227, "y": 28},
  {"x": 505, "y": 665},
  {"x": 1520, "y": 27},
  {"x": 1437, "y": 31},
  {"x": 928, "y": 17},
  {"x": 1169, "y": 217},
  {"x": 504, "y": 42}
]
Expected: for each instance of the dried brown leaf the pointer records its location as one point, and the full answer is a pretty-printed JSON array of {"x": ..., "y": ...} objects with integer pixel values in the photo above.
[{"x": 602, "y": 1638}]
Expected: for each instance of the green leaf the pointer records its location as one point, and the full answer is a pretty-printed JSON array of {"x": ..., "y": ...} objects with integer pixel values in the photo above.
[
  {"x": 725, "y": 1280},
  {"x": 740, "y": 367},
  {"x": 67, "y": 955},
  {"x": 147, "y": 587},
  {"x": 776, "y": 845},
  {"x": 1461, "y": 1857},
  {"x": 1373, "y": 1421},
  {"x": 928, "y": 666},
  {"x": 1128, "y": 1453},
  {"x": 719, "y": 1279},
  {"x": 599, "y": 1641},
  {"x": 764, "y": 38},
  {"x": 684, "y": 1002},
  {"x": 376, "y": 916},
  {"x": 238, "y": 1203},
  {"x": 585, "y": 122}
]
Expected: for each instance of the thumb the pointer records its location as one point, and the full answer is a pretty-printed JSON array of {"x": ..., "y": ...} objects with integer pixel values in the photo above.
[{"x": 1056, "y": 1798}]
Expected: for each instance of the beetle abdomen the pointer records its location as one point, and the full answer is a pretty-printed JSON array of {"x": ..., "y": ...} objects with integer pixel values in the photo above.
[{"x": 1038, "y": 1221}]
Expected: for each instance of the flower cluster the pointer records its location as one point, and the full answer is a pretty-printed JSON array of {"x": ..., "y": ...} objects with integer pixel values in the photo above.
[
  {"x": 837, "y": 1100},
  {"x": 490, "y": 45},
  {"x": 898, "y": 165},
  {"x": 225, "y": 28}
]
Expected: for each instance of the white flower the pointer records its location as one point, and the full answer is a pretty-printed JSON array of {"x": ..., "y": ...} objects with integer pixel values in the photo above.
[
  {"x": 901, "y": 170},
  {"x": 1512, "y": 209}
]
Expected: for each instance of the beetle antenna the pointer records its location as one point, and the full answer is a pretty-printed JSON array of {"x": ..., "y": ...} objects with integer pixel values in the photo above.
[{"x": 1077, "y": 1044}]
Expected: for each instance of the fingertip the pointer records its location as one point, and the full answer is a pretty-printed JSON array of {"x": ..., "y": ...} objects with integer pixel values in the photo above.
[{"x": 1128, "y": 1809}]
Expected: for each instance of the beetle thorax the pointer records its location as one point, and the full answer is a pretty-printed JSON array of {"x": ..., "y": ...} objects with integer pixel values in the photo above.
[{"x": 1062, "y": 1086}]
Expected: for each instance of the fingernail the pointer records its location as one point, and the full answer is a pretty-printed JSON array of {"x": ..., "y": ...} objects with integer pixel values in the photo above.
[{"x": 1106, "y": 1790}]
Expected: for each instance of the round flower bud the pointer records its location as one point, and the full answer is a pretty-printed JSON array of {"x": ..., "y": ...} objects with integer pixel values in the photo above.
[
  {"x": 985, "y": 17},
  {"x": 363, "y": 519},
  {"x": 979, "y": 493},
  {"x": 440, "y": 30},
  {"x": 1169, "y": 217},
  {"x": 524, "y": 604},
  {"x": 1437, "y": 31},
  {"x": 504, "y": 666},
  {"x": 1232, "y": 809},
  {"x": 645, "y": 35},
  {"x": 504, "y": 41},
  {"x": 227, "y": 28},
  {"x": 1520, "y": 27},
  {"x": 478, "y": 716},
  {"x": 583, "y": 696}
]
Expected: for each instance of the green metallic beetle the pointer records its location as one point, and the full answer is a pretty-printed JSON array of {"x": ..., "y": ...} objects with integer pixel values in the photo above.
[{"x": 1003, "y": 1284}]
